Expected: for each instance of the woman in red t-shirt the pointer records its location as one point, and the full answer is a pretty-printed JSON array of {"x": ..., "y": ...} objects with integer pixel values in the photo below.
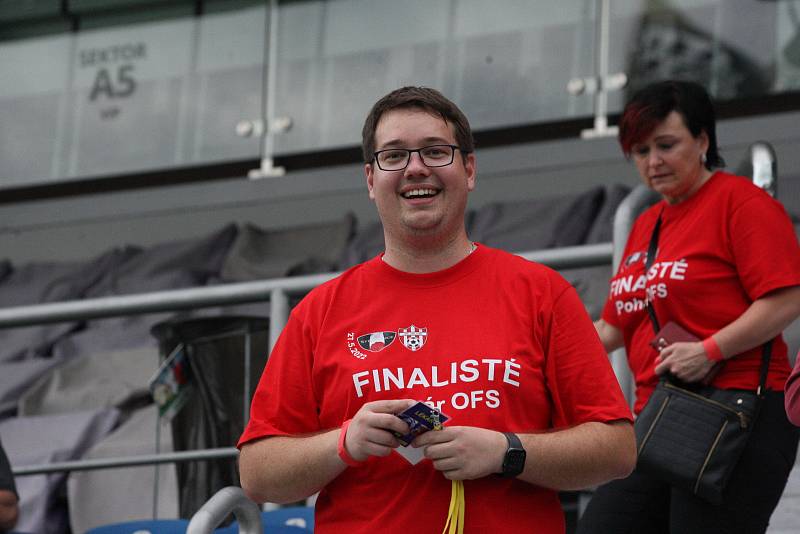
[{"x": 727, "y": 270}]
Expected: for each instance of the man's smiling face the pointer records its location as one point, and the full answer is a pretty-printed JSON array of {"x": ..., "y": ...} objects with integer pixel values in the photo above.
[{"x": 419, "y": 200}]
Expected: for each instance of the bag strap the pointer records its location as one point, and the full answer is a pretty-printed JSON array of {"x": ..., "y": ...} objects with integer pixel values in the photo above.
[
  {"x": 766, "y": 354},
  {"x": 652, "y": 250}
]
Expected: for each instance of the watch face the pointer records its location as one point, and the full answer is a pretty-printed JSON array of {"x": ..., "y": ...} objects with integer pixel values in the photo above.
[{"x": 514, "y": 462}]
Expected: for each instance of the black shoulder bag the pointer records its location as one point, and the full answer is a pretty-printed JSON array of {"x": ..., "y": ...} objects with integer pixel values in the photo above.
[{"x": 690, "y": 435}]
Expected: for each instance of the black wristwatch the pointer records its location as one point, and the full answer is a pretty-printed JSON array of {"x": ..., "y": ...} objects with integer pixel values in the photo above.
[{"x": 514, "y": 460}]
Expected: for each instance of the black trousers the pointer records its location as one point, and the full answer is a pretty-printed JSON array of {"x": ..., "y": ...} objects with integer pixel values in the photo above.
[{"x": 641, "y": 504}]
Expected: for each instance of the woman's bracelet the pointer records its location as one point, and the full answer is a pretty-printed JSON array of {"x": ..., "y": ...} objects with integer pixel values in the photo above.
[
  {"x": 712, "y": 349},
  {"x": 343, "y": 454}
]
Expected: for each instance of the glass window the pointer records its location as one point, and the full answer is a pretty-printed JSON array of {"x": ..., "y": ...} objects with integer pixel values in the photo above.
[
  {"x": 336, "y": 58},
  {"x": 728, "y": 46},
  {"x": 127, "y": 94},
  {"x": 33, "y": 108},
  {"x": 132, "y": 98}
]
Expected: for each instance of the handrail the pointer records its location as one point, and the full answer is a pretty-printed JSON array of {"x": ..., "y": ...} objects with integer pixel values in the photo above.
[
  {"x": 230, "y": 499},
  {"x": 159, "y": 301},
  {"x": 238, "y": 293},
  {"x": 127, "y": 461}
]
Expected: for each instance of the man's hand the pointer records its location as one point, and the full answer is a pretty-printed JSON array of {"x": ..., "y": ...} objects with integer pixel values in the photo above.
[
  {"x": 370, "y": 431},
  {"x": 464, "y": 452},
  {"x": 687, "y": 361}
]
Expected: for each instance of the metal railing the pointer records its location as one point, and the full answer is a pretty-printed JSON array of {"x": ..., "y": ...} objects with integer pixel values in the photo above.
[{"x": 228, "y": 500}]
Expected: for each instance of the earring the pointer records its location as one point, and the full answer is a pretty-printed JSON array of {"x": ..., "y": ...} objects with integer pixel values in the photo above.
[{"x": 703, "y": 158}]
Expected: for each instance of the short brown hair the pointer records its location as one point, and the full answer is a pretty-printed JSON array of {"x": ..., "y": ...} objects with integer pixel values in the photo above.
[{"x": 426, "y": 99}]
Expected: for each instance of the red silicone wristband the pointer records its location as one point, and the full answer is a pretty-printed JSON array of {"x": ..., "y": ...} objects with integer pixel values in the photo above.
[
  {"x": 712, "y": 349},
  {"x": 343, "y": 454}
]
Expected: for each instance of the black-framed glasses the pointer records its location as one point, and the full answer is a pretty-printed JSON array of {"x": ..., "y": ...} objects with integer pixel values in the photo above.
[{"x": 396, "y": 159}]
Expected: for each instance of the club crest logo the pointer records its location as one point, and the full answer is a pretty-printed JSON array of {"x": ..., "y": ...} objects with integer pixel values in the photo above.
[
  {"x": 376, "y": 341},
  {"x": 635, "y": 257},
  {"x": 413, "y": 338}
]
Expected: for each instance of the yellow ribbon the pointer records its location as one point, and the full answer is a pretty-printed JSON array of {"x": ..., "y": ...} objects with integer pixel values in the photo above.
[{"x": 455, "y": 515}]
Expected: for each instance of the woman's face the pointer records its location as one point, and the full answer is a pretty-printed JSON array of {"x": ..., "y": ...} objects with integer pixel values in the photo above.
[{"x": 669, "y": 160}]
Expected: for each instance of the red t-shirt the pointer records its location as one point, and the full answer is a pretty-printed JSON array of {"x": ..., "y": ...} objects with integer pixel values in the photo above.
[
  {"x": 494, "y": 341},
  {"x": 718, "y": 251}
]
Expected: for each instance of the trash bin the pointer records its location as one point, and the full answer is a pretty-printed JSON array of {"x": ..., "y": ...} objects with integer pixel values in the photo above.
[{"x": 218, "y": 350}]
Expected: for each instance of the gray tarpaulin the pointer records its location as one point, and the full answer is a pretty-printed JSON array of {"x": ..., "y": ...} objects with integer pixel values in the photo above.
[
  {"x": 45, "y": 439},
  {"x": 42, "y": 282},
  {"x": 16, "y": 377},
  {"x": 263, "y": 254},
  {"x": 105, "y": 496},
  {"x": 541, "y": 223},
  {"x": 92, "y": 381}
]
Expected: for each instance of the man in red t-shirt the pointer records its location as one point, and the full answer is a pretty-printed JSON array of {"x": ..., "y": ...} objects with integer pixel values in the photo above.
[{"x": 500, "y": 345}]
